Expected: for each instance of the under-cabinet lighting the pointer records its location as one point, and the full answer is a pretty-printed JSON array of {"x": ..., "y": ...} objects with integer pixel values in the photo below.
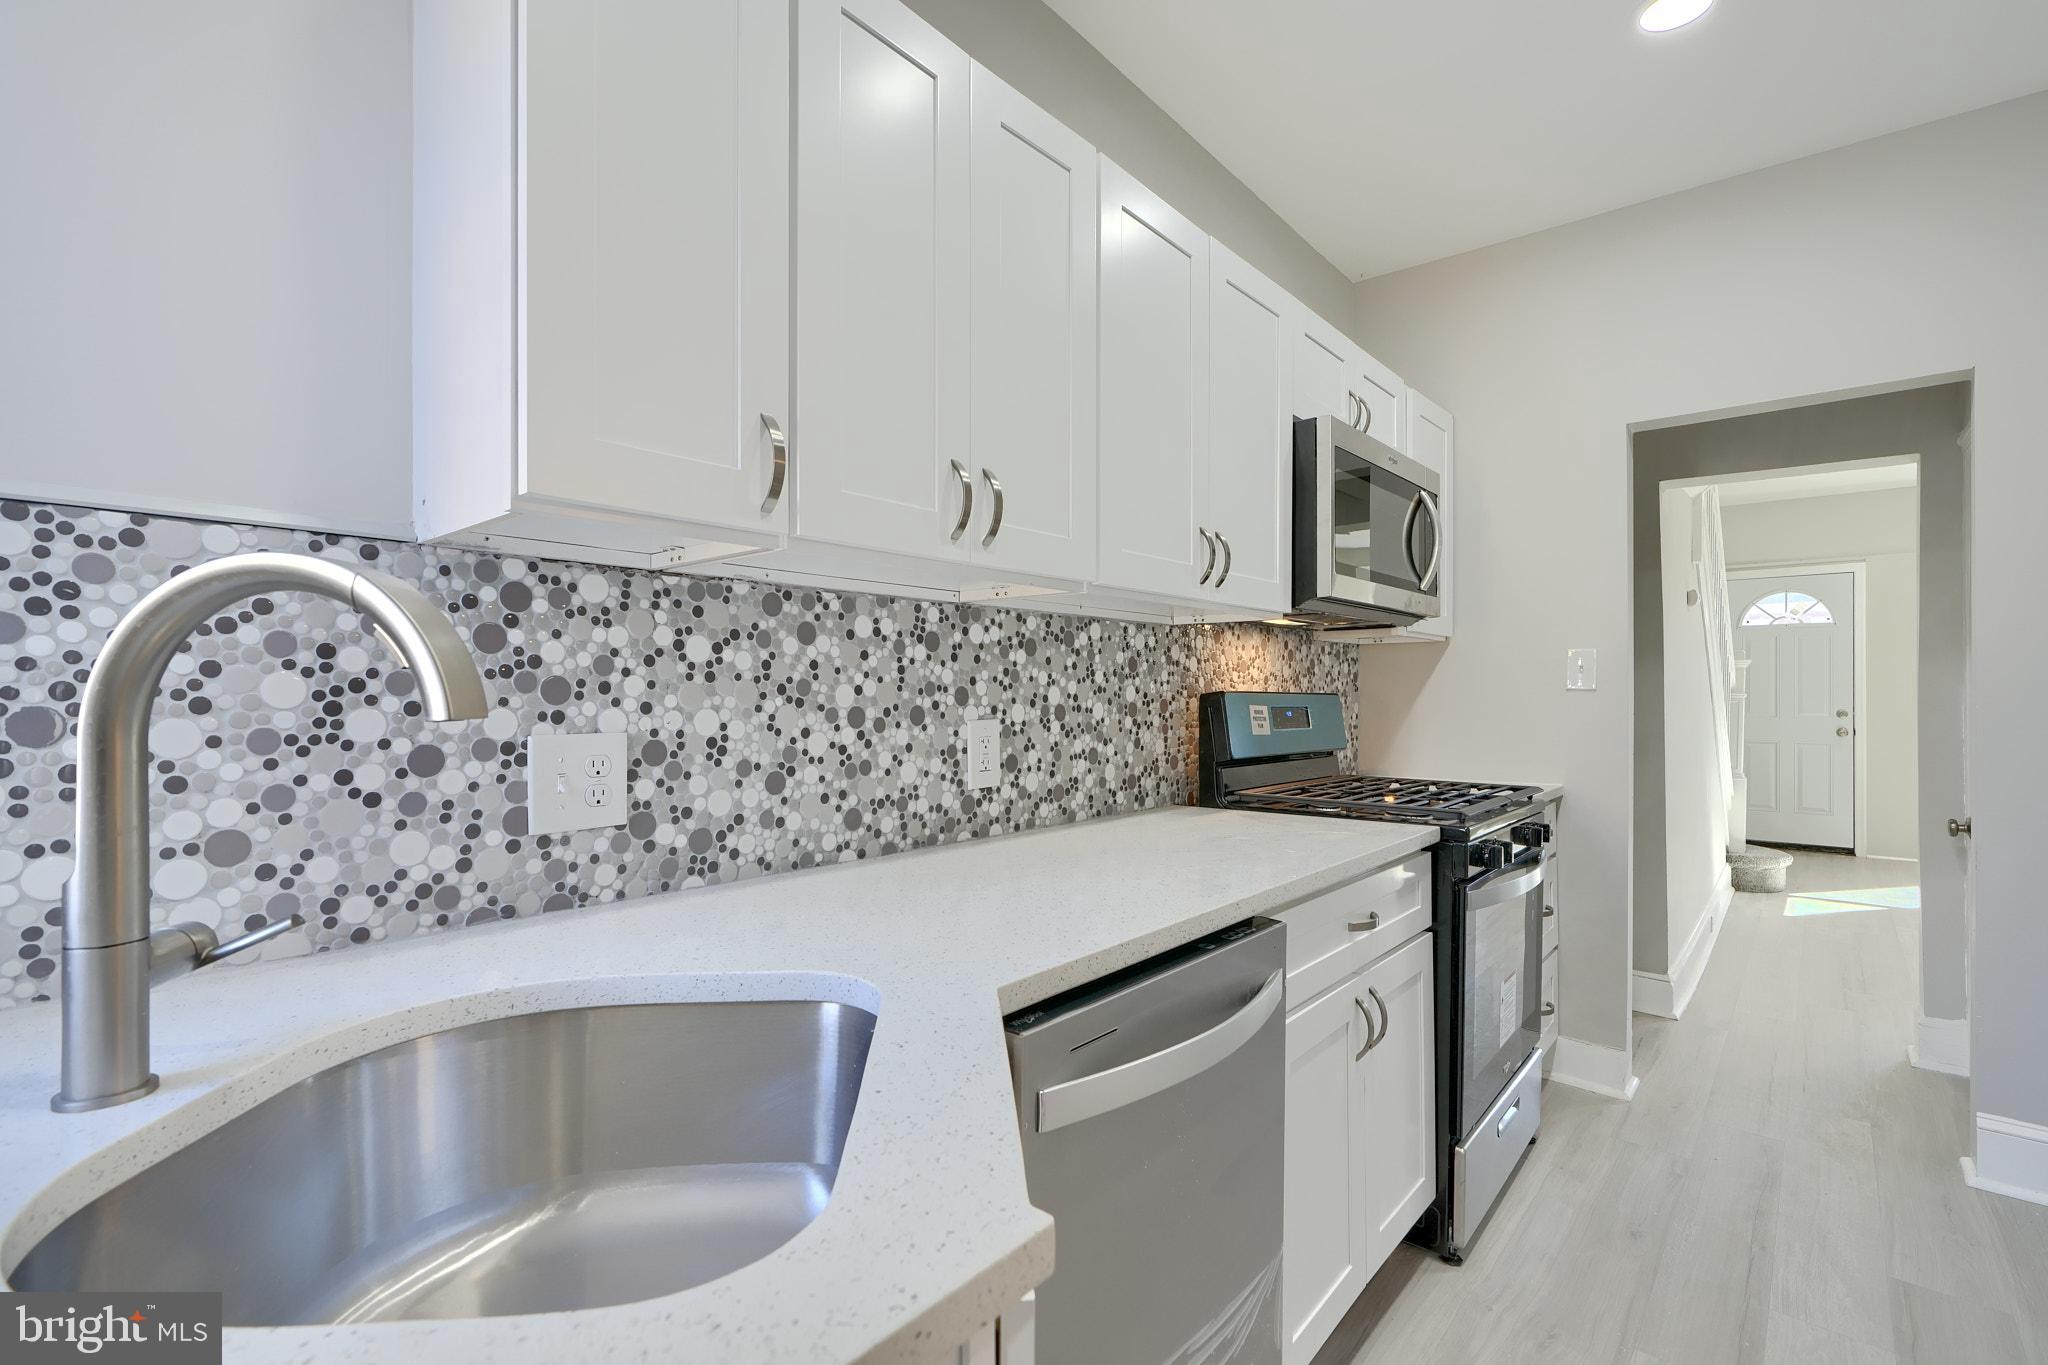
[{"x": 1661, "y": 16}]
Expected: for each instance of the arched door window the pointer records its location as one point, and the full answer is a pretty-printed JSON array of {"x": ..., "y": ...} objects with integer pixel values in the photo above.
[{"x": 1788, "y": 609}]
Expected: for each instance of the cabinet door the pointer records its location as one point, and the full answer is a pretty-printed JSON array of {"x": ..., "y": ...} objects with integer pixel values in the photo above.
[
  {"x": 1251, "y": 400},
  {"x": 1033, "y": 301},
  {"x": 1429, "y": 441},
  {"x": 1399, "y": 1086},
  {"x": 1324, "y": 1247},
  {"x": 882, "y": 278},
  {"x": 1381, "y": 391},
  {"x": 653, "y": 200},
  {"x": 1153, "y": 370},
  {"x": 1325, "y": 365}
]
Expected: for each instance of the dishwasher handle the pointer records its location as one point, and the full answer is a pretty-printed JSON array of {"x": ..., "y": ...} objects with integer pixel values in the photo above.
[{"x": 1084, "y": 1098}]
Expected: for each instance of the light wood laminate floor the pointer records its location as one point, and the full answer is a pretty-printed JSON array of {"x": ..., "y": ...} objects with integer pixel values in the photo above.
[{"x": 1784, "y": 1187}]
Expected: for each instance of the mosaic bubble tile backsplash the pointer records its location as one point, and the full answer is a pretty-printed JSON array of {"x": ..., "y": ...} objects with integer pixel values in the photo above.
[{"x": 769, "y": 728}]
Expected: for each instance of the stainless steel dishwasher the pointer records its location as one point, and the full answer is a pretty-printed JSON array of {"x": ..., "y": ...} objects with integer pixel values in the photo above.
[{"x": 1151, "y": 1105}]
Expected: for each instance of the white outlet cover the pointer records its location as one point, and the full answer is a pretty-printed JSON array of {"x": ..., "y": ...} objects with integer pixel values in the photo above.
[
  {"x": 983, "y": 746},
  {"x": 575, "y": 782},
  {"x": 1581, "y": 670}
]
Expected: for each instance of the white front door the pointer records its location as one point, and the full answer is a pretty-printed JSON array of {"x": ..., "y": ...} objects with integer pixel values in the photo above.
[{"x": 1799, "y": 631}]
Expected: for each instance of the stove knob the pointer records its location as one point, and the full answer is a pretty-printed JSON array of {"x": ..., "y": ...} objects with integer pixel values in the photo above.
[
  {"x": 1534, "y": 834},
  {"x": 1489, "y": 854}
]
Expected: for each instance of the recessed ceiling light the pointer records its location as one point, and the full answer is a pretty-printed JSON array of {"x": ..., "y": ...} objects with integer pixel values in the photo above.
[{"x": 1661, "y": 16}]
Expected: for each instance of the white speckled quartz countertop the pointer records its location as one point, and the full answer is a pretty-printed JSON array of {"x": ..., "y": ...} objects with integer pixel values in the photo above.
[{"x": 928, "y": 1234}]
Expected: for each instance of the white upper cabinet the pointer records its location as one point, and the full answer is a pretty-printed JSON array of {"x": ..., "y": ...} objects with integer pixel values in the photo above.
[
  {"x": 1380, "y": 393},
  {"x": 601, "y": 344},
  {"x": 881, "y": 440},
  {"x": 1154, "y": 374},
  {"x": 1032, "y": 263},
  {"x": 1325, "y": 360},
  {"x": 1252, "y": 326}
]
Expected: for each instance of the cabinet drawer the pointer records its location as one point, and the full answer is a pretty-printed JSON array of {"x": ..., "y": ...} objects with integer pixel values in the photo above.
[{"x": 1335, "y": 934}]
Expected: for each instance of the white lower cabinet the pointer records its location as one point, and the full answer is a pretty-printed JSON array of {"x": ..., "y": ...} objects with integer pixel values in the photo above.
[{"x": 1360, "y": 1155}]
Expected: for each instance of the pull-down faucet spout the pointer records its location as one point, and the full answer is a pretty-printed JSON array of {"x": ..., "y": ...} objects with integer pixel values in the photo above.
[{"x": 110, "y": 958}]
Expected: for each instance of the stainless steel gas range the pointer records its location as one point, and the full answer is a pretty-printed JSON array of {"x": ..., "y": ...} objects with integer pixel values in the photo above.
[{"x": 1277, "y": 751}]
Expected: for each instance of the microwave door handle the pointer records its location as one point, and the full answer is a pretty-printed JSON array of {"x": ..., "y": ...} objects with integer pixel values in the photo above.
[
  {"x": 1408, "y": 537},
  {"x": 1436, "y": 542}
]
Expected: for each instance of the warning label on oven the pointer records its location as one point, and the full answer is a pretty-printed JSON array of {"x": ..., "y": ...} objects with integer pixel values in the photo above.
[{"x": 1510, "y": 1007}]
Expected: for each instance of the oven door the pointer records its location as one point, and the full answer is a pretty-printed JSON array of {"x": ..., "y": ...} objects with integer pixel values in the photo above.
[
  {"x": 1373, "y": 543},
  {"x": 1501, "y": 916}
]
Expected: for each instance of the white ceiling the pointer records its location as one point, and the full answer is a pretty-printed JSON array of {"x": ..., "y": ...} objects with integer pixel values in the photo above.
[
  {"x": 1816, "y": 481},
  {"x": 1393, "y": 132}
]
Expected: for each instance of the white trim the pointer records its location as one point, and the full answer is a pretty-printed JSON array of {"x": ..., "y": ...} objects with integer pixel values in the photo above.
[
  {"x": 1941, "y": 1045},
  {"x": 1667, "y": 996},
  {"x": 1608, "y": 1071},
  {"x": 1859, "y": 569},
  {"x": 2012, "y": 1159},
  {"x": 204, "y": 509}
]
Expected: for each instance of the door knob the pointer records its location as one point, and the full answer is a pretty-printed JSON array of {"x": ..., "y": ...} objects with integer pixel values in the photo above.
[
  {"x": 1842, "y": 730},
  {"x": 1958, "y": 828},
  {"x": 1841, "y": 715}
]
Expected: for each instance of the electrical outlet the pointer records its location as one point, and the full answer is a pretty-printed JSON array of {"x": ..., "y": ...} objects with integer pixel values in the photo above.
[
  {"x": 1581, "y": 670},
  {"x": 984, "y": 751},
  {"x": 575, "y": 782}
]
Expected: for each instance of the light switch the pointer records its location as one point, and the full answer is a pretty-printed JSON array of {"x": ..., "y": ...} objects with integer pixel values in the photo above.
[
  {"x": 575, "y": 782},
  {"x": 1581, "y": 670}
]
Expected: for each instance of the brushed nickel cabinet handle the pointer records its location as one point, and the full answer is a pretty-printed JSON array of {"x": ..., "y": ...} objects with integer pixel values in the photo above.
[
  {"x": 1372, "y": 1039},
  {"x": 1366, "y": 408},
  {"x": 995, "y": 520},
  {"x": 1226, "y": 559},
  {"x": 1209, "y": 567},
  {"x": 1385, "y": 1024},
  {"x": 966, "y": 499},
  {"x": 1366, "y": 925},
  {"x": 778, "y": 469},
  {"x": 1958, "y": 828}
]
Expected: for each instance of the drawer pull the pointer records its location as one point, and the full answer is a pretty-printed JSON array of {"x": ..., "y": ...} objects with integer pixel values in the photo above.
[
  {"x": 1549, "y": 1010},
  {"x": 1366, "y": 925},
  {"x": 1550, "y": 912}
]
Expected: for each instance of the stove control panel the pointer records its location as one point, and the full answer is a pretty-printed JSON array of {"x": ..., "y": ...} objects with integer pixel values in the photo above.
[{"x": 1272, "y": 724}]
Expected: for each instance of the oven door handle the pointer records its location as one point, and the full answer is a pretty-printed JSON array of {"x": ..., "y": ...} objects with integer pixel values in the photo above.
[
  {"x": 1073, "y": 1101},
  {"x": 1504, "y": 884}
]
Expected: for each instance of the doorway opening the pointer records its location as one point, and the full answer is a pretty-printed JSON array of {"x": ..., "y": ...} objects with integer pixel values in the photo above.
[{"x": 1797, "y": 711}]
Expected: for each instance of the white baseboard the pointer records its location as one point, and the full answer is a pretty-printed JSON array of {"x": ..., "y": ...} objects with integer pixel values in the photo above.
[
  {"x": 1589, "y": 1066},
  {"x": 1667, "y": 996},
  {"x": 2012, "y": 1159},
  {"x": 1941, "y": 1045}
]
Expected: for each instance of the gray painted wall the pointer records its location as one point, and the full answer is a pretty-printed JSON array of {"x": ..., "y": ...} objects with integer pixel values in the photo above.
[
  {"x": 1910, "y": 256},
  {"x": 1924, "y": 422},
  {"x": 1053, "y": 66}
]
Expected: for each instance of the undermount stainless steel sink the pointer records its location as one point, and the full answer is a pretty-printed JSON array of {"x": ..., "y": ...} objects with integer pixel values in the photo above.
[{"x": 573, "y": 1159}]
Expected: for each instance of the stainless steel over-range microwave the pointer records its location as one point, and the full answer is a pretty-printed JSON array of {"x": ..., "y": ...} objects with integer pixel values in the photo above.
[{"x": 1368, "y": 529}]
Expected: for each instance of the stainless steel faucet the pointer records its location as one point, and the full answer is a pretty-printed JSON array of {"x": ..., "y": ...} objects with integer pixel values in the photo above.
[{"x": 111, "y": 959}]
